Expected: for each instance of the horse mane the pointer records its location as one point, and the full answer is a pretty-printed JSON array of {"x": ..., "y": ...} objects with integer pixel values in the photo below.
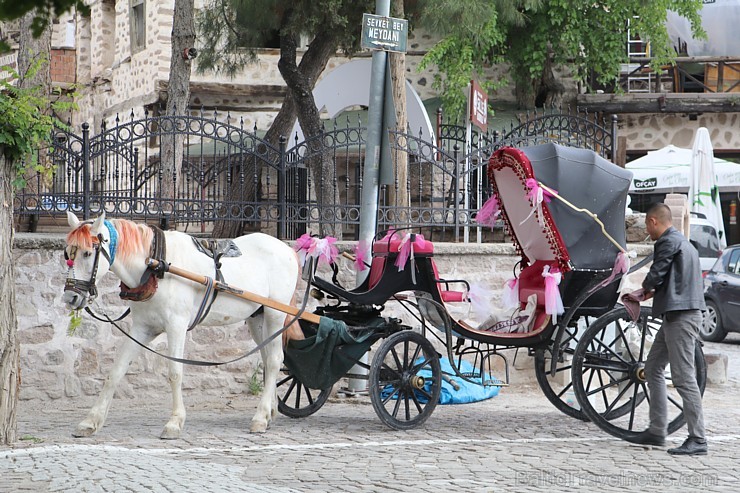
[{"x": 133, "y": 238}]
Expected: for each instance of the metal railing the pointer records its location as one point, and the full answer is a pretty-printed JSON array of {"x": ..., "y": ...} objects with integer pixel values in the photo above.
[{"x": 228, "y": 173}]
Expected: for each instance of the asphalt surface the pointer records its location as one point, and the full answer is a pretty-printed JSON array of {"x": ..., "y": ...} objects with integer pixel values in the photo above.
[{"x": 516, "y": 441}]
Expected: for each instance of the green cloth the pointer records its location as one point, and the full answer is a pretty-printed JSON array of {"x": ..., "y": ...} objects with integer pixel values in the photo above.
[{"x": 327, "y": 353}]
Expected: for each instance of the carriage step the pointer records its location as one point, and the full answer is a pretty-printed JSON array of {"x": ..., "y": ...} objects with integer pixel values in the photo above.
[{"x": 495, "y": 382}]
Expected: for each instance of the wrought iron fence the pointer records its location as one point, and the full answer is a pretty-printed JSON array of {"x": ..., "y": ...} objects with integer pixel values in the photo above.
[{"x": 229, "y": 174}]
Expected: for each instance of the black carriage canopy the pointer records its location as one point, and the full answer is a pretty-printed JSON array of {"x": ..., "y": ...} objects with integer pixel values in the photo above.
[{"x": 581, "y": 177}]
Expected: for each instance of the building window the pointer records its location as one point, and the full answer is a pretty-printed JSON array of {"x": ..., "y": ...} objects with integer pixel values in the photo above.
[{"x": 138, "y": 25}]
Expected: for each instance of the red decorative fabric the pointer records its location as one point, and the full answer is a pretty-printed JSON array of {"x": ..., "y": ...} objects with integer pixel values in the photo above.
[{"x": 517, "y": 161}]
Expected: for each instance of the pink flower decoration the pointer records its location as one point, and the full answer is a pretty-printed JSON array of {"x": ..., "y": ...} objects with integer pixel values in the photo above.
[{"x": 488, "y": 214}]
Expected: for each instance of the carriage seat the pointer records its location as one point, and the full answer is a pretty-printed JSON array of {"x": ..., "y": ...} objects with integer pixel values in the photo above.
[
  {"x": 387, "y": 251},
  {"x": 531, "y": 281}
]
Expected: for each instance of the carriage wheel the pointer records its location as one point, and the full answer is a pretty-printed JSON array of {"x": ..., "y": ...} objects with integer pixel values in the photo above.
[
  {"x": 296, "y": 400},
  {"x": 558, "y": 388},
  {"x": 609, "y": 376},
  {"x": 405, "y": 380}
]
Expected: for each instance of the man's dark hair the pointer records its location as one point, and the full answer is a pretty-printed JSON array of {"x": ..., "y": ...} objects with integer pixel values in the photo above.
[{"x": 661, "y": 212}]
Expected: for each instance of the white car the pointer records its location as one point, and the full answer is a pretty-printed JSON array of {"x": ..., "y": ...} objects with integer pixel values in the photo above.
[{"x": 704, "y": 237}]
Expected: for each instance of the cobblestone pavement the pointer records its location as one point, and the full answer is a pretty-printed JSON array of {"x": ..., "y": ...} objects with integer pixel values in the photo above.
[{"x": 514, "y": 442}]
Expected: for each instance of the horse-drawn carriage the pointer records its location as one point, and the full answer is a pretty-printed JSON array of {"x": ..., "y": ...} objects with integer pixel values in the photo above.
[{"x": 564, "y": 210}]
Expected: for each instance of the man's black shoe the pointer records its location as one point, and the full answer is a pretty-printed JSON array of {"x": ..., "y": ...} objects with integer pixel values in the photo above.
[
  {"x": 647, "y": 438},
  {"x": 692, "y": 446}
]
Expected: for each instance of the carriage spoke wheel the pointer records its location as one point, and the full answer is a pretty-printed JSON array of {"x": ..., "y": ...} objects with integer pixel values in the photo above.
[
  {"x": 558, "y": 388},
  {"x": 609, "y": 374},
  {"x": 405, "y": 380},
  {"x": 296, "y": 400}
]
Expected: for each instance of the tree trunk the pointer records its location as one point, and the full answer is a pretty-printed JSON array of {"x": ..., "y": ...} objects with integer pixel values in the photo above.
[
  {"x": 10, "y": 373},
  {"x": 312, "y": 63},
  {"x": 178, "y": 101},
  {"x": 399, "y": 196},
  {"x": 321, "y": 168},
  {"x": 29, "y": 50}
]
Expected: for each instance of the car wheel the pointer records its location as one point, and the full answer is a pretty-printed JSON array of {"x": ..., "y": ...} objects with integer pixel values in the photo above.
[{"x": 711, "y": 328}]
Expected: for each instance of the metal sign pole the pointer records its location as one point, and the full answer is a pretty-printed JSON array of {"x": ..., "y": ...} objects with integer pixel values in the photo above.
[{"x": 371, "y": 173}]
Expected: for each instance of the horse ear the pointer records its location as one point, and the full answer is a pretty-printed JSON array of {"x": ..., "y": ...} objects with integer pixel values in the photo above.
[
  {"x": 97, "y": 226},
  {"x": 72, "y": 220}
]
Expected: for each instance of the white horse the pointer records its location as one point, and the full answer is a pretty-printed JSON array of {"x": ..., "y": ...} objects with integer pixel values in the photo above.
[{"x": 267, "y": 267}]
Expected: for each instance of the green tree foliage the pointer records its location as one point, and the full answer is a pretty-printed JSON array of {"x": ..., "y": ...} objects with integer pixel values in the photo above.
[
  {"x": 26, "y": 124},
  {"x": 232, "y": 29},
  {"x": 534, "y": 34},
  {"x": 45, "y": 10}
]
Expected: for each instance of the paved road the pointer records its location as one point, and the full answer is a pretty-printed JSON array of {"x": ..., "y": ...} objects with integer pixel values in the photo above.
[{"x": 514, "y": 442}]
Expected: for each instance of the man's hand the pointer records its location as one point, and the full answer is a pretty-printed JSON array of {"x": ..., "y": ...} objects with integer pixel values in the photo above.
[{"x": 647, "y": 295}]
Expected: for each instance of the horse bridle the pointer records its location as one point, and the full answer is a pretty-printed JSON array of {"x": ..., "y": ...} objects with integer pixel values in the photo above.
[{"x": 83, "y": 287}]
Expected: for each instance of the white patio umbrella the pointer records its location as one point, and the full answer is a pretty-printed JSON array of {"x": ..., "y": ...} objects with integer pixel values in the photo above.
[
  {"x": 703, "y": 190},
  {"x": 668, "y": 170}
]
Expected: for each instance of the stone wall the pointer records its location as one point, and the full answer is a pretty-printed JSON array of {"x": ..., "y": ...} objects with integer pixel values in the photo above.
[{"x": 57, "y": 366}]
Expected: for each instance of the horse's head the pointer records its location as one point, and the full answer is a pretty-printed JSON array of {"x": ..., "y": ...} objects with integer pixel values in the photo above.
[{"x": 86, "y": 244}]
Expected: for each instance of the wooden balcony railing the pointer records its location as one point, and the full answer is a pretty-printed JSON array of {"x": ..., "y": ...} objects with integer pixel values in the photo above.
[{"x": 701, "y": 74}]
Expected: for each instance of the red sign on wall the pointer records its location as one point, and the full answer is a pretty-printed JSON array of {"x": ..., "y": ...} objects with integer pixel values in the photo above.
[{"x": 478, "y": 101}]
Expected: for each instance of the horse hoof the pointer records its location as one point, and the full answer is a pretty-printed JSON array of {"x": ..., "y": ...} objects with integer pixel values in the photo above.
[
  {"x": 83, "y": 431},
  {"x": 258, "y": 427},
  {"x": 170, "y": 434}
]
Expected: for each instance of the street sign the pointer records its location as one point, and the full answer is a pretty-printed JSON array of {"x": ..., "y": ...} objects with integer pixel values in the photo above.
[
  {"x": 478, "y": 106},
  {"x": 384, "y": 33}
]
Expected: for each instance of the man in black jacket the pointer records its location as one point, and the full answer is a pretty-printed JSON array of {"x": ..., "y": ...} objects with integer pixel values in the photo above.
[{"x": 675, "y": 284}]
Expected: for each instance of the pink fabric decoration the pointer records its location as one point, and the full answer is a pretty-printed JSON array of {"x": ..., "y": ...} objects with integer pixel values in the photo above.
[
  {"x": 621, "y": 266},
  {"x": 536, "y": 196},
  {"x": 324, "y": 249},
  {"x": 360, "y": 250},
  {"x": 488, "y": 214},
  {"x": 553, "y": 302},
  {"x": 70, "y": 263},
  {"x": 480, "y": 300},
  {"x": 302, "y": 246},
  {"x": 510, "y": 295},
  {"x": 390, "y": 235},
  {"x": 406, "y": 250}
]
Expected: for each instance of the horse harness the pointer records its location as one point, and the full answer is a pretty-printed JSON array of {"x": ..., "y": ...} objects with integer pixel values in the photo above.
[
  {"x": 80, "y": 286},
  {"x": 216, "y": 249}
]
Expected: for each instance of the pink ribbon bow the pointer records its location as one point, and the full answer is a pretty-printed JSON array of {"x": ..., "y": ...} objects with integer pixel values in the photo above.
[
  {"x": 536, "y": 195},
  {"x": 322, "y": 249},
  {"x": 325, "y": 250},
  {"x": 488, "y": 214},
  {"x": 553, "y": 301},
  {"x": 406, "y": 250},
  {"x": 621, "y": 266}
]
